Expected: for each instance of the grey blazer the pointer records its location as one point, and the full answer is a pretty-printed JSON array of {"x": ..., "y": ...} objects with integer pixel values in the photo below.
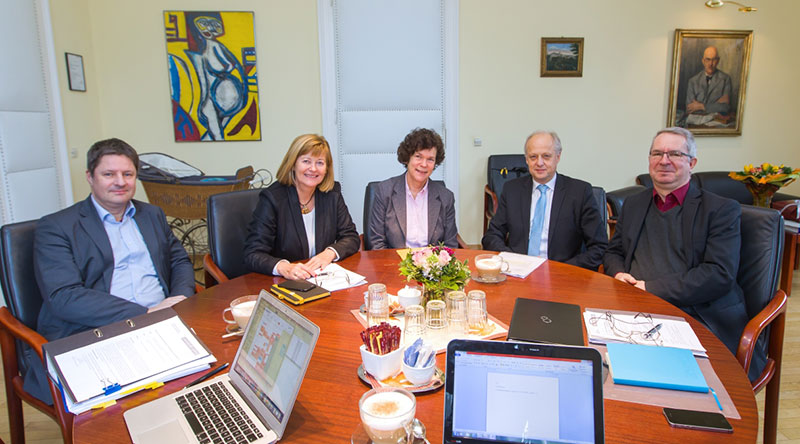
[{"x": 387, "y": 227}]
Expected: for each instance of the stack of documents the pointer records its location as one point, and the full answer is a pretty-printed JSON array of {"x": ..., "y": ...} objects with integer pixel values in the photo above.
[
  {"x": 521, "y": 265},
  {"x": 335, "y": 277},
  {"x": 660, "y": 367},
  {"x": 96, "y": 367},
  {"x": 609, "y": 326}
]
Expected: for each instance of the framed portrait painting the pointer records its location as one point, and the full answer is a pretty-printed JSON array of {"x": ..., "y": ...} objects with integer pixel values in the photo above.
[
  {"x": 562, "y": 57},
  {"x": 709, "y": 79}
]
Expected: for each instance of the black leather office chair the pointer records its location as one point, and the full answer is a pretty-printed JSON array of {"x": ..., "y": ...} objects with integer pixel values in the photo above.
[
  {"x": 18, "y": 329},
  {"x": 600, "y": 196},
  {"x": 229, "y": 215},
  {"x": 369, "y": 197},
  {"x": 500, "y": 169},
  {"x": 615, "y": 199},
  {"x": 761, "y": 345},
  {"x": 718, "y": 182}
]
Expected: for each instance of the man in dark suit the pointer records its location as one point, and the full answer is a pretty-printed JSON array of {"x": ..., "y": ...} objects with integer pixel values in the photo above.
[
  {"x": 680, "y": 242},
  {"x": 548, "y": 214},
  {"x": 105, "y": 259}
]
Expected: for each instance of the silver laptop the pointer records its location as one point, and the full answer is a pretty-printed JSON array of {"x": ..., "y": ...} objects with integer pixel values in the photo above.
[{"x": 256, "y": 396}]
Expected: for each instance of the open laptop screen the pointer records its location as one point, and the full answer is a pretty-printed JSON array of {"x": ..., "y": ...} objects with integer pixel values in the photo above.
[
  {"x": 273, "y": 356},
  {"x": 504, "y": 392}
]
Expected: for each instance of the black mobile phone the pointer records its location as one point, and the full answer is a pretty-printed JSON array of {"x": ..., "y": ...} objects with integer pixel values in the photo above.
[
  {"x": 297, "y": 285},
  {"x": 692, "y": 419}
]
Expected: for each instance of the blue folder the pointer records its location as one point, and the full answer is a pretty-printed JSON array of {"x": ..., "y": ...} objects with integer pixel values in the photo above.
[{"x": 652, "y": 366}]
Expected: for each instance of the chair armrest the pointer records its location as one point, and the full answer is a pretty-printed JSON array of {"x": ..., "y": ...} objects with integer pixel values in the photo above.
[
  {"x": 774, "y": 313},
  {"x": 461, "y": 242},
  {"x": 213, "y": 275},
  {"x": 22, "y": 332},
  {"x": 490, "y": 200}
]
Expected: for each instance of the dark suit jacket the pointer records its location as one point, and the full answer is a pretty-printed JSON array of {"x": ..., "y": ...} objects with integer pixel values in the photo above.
[
  {"x": 387, "y": 227},
  {"x": 577, "y": 235},
  {"x": 73, "y": 262},
  {"x": 277, "y": 231},
  {"x": 712, "y": 239}
]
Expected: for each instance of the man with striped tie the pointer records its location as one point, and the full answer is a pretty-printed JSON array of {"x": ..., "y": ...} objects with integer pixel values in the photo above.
[{"x": 548, "y": 214}]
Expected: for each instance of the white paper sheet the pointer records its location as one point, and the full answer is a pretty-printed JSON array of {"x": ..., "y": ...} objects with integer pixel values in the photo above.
[
  {"x": 521, "y": 265},
  {"x": 335, "y": 277}
]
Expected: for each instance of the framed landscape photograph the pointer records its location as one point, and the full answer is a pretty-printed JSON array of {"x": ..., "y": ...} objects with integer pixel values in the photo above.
[
  {"x": 562, "y": 57},
  {"x": 709, "y": 79}
]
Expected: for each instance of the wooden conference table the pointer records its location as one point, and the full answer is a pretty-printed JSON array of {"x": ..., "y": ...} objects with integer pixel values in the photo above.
[{"x": 326, "y": 410}]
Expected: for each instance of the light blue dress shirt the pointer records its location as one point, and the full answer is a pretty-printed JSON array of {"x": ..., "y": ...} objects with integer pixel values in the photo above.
[{"x": 134, "y": 278}]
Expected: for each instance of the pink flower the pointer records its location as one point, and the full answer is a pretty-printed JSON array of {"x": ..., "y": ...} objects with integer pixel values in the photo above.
[{"x": 444, "y": 258}]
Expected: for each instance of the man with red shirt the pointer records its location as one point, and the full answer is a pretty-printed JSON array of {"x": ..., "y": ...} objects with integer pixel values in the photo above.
[{"x": 680, "y": 242}]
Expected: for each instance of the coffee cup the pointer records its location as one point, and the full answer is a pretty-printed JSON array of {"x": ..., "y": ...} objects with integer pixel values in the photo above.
[
  {"x": 489, "y": 266},
  {"x": 241, "y": 309},
  {"x": 386, "y": 414},
  {"x": 409, "y": 295}
]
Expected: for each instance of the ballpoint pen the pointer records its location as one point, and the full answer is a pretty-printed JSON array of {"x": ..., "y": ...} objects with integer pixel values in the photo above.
[
  {"x": 652, "y": 331},
  {"x": 208, "y": 375}
]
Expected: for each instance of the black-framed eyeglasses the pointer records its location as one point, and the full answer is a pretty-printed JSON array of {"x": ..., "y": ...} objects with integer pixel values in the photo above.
[{"x": 673, "y": 155}]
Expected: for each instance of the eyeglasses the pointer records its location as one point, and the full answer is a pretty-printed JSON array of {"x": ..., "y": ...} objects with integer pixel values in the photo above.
[
  {"x": 642, "y": 330},
  {"x": 673, "y": 155}
]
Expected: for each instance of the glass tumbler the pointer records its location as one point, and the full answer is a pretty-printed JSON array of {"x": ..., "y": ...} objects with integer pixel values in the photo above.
[
  {"x": 436, "y": 324},
  {"x": 377, "y": 304},
  {"x": 414, "y": 324},
  {"x": 456, "y": 314},
  {"x": 477, "y": 316}
]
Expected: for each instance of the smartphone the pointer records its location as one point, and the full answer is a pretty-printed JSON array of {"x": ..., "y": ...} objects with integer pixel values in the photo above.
[
  {"x": 691, "y": 419},
  {"x": 301, "y": 286}
]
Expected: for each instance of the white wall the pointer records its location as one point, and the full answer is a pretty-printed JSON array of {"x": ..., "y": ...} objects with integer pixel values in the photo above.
[{"x": 606, "y": 118}]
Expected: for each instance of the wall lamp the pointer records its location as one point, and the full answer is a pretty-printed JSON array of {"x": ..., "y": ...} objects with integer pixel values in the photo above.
[{"x": 720, "y": 3}]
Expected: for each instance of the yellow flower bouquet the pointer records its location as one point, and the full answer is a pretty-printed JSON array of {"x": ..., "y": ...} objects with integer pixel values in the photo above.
[{"x": 765, "y": 180}]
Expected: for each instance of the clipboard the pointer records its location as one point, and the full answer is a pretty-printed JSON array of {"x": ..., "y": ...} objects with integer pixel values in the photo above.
[{"x": 87, "y": 375}]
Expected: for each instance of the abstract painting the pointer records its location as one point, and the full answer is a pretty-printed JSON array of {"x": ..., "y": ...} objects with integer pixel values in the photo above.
[{"x": 211, "y": 60}]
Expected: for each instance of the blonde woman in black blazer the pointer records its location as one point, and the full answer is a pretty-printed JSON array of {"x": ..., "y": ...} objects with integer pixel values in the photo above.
[{"x": 304, "y": 200}]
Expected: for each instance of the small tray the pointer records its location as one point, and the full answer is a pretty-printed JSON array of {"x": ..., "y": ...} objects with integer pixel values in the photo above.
[
  {"x": 436, "y": 382},
  {"x": 499, "y": 279}
]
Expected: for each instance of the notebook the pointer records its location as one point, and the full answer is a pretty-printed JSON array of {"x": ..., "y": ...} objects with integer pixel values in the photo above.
[
  {"x": 544, "y": 321},
  {"x": 653, "y": 366},
  {"x": 487, "y": 382},
  {"x": 298, "y": 292},
  {"x": 261, "y": 387}
]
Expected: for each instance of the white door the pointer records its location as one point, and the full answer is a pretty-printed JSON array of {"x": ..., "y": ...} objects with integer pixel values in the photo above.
[
  {"x": 387, "y": 67},
  {"x": 34, "y": 178}
]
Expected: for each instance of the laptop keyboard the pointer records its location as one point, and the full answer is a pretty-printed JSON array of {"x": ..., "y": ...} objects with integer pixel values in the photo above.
[{"x": 215, "y": 417}]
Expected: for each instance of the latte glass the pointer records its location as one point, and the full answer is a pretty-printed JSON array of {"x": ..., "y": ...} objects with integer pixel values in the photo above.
[{"x": 386, "y": 414}]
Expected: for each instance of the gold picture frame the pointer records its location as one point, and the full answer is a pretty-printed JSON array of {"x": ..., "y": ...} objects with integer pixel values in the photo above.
[
  {"x": 562, "y": 57},
  {"x": 709, "y": 104}
]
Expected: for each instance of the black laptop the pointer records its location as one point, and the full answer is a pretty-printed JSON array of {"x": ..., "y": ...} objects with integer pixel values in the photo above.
[
  {"x": 546, "y": 322},
  {"x": 520, "y": 392}
]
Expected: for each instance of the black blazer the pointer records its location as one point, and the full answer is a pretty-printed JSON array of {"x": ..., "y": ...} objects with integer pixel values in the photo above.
[
  {"x": 711, "y": 243},
  {"x": 577, "y": 235},
  {"x": 277, "y": 231}
]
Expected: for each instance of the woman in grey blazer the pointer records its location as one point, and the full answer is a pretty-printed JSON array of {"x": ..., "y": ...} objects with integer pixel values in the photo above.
[
  {"x": 301, "y": 216},
  {"x": 411, "y": 210}
]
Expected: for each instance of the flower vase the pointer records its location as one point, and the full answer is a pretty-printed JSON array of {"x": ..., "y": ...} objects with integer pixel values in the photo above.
[
  {"x": 762, "y": 193},
  {"x": 431, "y": 293}
]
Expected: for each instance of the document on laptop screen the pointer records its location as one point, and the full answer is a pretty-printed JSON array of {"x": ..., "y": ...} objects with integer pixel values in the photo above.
[{"x": 508, "y": 398}]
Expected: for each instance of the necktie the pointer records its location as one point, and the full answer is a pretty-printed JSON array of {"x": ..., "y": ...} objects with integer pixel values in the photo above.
[{"x": 535, "y": 237}]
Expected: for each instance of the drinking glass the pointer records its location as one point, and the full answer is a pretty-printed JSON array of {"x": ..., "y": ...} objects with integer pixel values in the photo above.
[
  {"x": 414, "y": 324},
  {"x": 436, "y": 323},
  {"x": 477, "y": 317},
  {"x": 386, "y": 414},
  {"x": 456, "y": 314},
  {"x": 377, "y": 304}
]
